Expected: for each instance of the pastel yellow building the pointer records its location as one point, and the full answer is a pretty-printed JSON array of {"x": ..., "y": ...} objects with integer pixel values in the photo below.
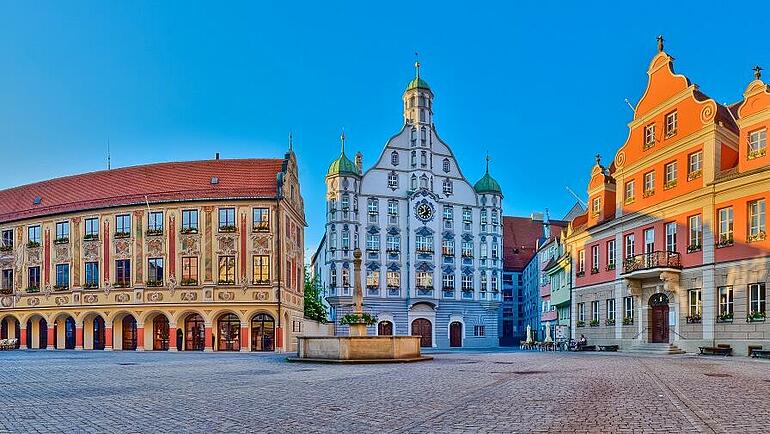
[{"x": 202, "y": 255}]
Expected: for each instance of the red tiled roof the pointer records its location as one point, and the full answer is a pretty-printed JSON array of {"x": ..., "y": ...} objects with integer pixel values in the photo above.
[
  {"x": 520, "y": 235},
  {"x": 162, "y": 182}
]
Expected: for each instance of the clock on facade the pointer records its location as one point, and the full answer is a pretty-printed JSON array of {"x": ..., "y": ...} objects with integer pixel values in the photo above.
[{"x": 424, "y": 211}]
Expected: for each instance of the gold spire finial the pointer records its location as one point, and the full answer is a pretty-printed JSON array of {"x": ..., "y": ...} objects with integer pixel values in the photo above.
[
  {"x": 757, "y": 72},
  {"x": 342, "y": 140},
  {"x": 291, "y": 141},
  {"x": 488, "y": 158},
  {"x": 417, "y": 64},
  {"x": 660, "y": 43}
]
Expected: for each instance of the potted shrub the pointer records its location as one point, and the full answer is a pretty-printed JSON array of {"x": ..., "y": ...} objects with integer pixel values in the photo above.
[
  {"x": 694, "y": 319},
  {"x": 609, "y": 322},
  {"x": 153, "y": 232},
  {"x": 594, "y": 323},
  {"x": 754, "y": 316},
  {"x": 33, "y": 244},
  {"x": 580, "y": 324},
  {"x": 62, "y": 240},
  {"x": 628, "y": 320},
  {"x": 187, "y": 231},
  {"x": 227, "y": 228},
  {"x": 90, "y": 237}
]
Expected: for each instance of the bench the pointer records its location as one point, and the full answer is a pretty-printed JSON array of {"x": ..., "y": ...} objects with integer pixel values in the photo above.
[
  {"x": 760, "y": 354},
  {"x": 609, "y": 348},
  {"x": 587, "y": 348},
  {"x": 719, "y": 350}
]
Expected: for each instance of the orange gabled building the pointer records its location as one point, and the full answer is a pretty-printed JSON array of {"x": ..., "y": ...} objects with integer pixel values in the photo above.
[{"x": 673, "y": 249}]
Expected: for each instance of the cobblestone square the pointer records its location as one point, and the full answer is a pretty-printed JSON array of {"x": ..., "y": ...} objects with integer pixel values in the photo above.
[{"x": 73, "y": 391}]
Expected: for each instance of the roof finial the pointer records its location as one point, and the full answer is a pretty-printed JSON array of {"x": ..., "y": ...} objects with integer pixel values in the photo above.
[
  {"x": 342, "y": 140},
  {"x": 757, "y": 72},
  {"x": 598, "y": 159},
  {"x": 660, "y": 43},
  {"x": 291, "y": 141},
  {"x": 417, "y": 64},
  {"x": 488, "y": 158}
]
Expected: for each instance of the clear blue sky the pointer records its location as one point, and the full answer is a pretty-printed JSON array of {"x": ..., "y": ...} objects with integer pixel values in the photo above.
[{"x": 538, "y": 84}]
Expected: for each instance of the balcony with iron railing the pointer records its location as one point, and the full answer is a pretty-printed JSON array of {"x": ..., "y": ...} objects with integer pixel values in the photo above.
[{"x": 651, "y": 264}]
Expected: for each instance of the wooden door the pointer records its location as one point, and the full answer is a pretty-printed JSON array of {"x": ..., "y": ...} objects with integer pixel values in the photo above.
[
  {"x": 385, "y": 328},
  {"x": 422, "y": 327},
  {"x": 659, "y": 323},
  {"x": 455, "y": 334}
]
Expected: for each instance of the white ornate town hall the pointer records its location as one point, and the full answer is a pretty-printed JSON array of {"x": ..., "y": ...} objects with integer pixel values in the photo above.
[{"x": 432, "y": 241}]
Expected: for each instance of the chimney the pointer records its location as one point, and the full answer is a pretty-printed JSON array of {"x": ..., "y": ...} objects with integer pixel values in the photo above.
[
  {"x": 359, "y": 162},
  {"x": 216, "y": 156}
]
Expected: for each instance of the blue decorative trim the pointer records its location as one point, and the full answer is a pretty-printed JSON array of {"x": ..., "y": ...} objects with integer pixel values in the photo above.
[
  {"x": 424, "y": 231},
  {"x": 448, "y": 235},
  {"x": 424, "y": 266},
  {"x": 373, "y": 230},
  {"x": 394, "y": 266},
  {"x": 373, "y": 266},
  {"x": 393, "y": 230},
  {"x": 467, "y": 271}
]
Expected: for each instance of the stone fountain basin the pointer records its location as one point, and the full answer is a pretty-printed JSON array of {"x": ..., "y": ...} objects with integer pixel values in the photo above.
[{"x": 359, "y": 349}]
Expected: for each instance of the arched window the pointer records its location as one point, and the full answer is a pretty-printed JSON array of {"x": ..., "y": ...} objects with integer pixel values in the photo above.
[
  {"x": 333, "y": 277},
  {"x": 447, "y": 166},
  {"x": 194, "y": 332},
  {"x": 414, "y": 159},
  {"x": 424, "y": 182},
  {"x": 160, "y": 333},
  {"x": 394, "y": 158},
  {"x": 345, "y": 240},
  {"x": 423, "y": 158},
  {"x": 484, "y": 250},
  {"x": 414, "y": 182},
  {"x": 229, "y": 336},
  {"x": 262, "y": 332}
]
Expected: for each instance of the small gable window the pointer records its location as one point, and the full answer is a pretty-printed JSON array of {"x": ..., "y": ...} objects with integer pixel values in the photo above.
[
  {"x": 447, "y": 166},
  {"x": 394, "y": 158}
]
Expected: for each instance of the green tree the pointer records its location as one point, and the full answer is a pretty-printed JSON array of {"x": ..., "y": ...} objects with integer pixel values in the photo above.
[{"x": 314, "y": 307}]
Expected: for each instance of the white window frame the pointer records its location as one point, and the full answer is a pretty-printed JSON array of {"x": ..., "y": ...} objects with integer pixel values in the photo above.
[
  {"x": 726, "y": 300},
  {"x": 695, "y": 232},
  {"x": 756, "y": 216},
  {"x": 629, "y": 192},
  {"x": 581, "y": 261},
  {"x": 695, "y": 302},
  {"x": 671, "y": 230},
  {"x": 726, "y": 225},
  {"x": 649, "y": 183},
  {"x": 649, "y": 134},
  {"x": 757, "y": 298},
  {"x": 611, "y": 252},
  {"x": 757, "y": 142},
  {"x": 611, "y": 312},
  {"x": 671, "y": 123},
  {"x": 595, "y": 315},
  {"x": 630, "y": 243}
]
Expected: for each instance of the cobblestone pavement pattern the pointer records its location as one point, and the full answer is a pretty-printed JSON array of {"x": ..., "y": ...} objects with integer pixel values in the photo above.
[{"x": 457, "y": 392}]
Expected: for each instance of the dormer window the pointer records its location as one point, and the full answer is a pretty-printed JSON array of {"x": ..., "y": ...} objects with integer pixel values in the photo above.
[
  {"x": 649, "y": 136},
  {"x": 596, "y": 206},
  {"x": 671, "y": 123},
  {"x": 757, "y": 144}
]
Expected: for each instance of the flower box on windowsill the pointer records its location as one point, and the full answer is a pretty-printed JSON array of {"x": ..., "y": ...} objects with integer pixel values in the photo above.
[
  {"x": 90, "y": 285},
  {"x": 610, "y": 267},
  {"x": 694, "y": 175},
  {"x": 153, "y": 283},
  {"x": 756, "y": 153},
  {"x": 261, "y": 282},
  {"x": 33, "y": 244},
  {"x": 580, "y": 324},
  {"x": 609, "y": 322},
  {"x": 122, "y": 234},
  {"x": 648, "y": 145},
  {"x": 61, "y": 287},
  {"x": 756, "y": 317},
  {"x": 594, "y": 323},
  {"x": 648, "y": 193},
  {"x": 261, "y": 228},
  {"x": 227, "y": 229},
  {"x": 90, "y": 237},
  {"x": 153, "y": 232},
  {"x": 594, "y": 270},
  {"x": 759, "y": 236},
  {"x": 121, "y": 284},
  {"x": 727, "y": 242},
  {"x": 62, "y": 240},
  {"x": 33, "y": 289},
  {"x": 580, "y": 274},
  {"x": 188, "y": 231},
  {"x": 628, "y": 321},
  {"x": 670, "y": 134},
  {"x": 6, "y": 248},
  {"x": 695, "y": 319},
  {"x": 629, "y": 200},
  {"x": 189, "y": 282},
  {"x": 670, "y": 184},
  {"x": 6, "y": 291},
  {"x": 693, "y": 248},
  {"x": 226, "y": 282},
  {"x": 725, "y": 318}
]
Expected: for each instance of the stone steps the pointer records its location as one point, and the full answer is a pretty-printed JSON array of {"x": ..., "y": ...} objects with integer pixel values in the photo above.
[{"x": 653, "y": 348}]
